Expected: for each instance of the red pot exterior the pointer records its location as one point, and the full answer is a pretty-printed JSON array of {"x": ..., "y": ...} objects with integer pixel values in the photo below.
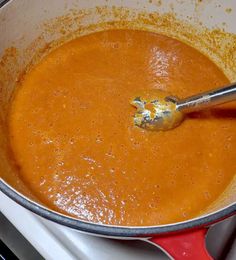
[{"x": 186, "y": 246}]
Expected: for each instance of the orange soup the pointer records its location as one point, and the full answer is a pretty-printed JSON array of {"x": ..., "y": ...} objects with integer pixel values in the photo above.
[{"x": 78, "y": 150}]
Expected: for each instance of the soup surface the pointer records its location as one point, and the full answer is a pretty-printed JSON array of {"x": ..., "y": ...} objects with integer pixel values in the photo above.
[{"x": 73, "y": 137}]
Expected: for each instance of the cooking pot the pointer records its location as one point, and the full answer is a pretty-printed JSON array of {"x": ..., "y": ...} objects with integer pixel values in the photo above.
[{"x": 28, "y": 27}]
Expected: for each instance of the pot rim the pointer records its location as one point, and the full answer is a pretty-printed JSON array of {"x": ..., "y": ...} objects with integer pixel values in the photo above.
[
  {"x": 115, "y": 231},
  {"x": 2, "y": 3}
]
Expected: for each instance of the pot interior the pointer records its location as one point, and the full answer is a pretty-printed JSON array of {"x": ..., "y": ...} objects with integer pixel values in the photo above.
[{"x": 30, "y": 28}]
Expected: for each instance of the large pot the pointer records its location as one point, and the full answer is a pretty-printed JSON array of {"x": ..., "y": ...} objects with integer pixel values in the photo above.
[{"x": 28, "y": 26}]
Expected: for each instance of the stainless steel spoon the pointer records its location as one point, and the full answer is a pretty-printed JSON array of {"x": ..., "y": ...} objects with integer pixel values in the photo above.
[{"x": 158, "y": 110}]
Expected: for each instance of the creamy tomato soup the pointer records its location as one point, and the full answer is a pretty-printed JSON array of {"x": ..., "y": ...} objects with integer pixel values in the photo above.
[{"x": 78, "y": 150}]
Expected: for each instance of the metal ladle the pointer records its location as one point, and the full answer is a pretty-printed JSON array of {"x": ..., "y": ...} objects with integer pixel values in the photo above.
[{"x": 158, "y": 110}]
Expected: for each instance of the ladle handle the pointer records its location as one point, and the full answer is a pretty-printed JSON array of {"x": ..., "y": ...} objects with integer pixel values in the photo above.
[{"x": 208, "y": 99}]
